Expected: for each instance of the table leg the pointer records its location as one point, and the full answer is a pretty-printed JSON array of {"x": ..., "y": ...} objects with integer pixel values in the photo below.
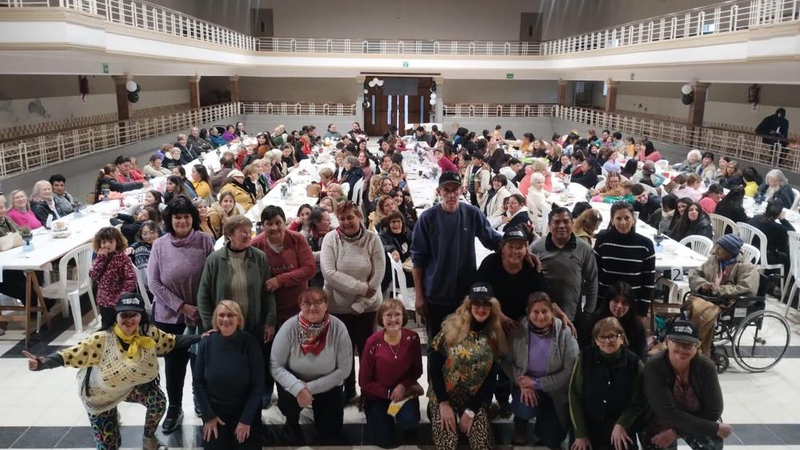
[{"x": 32, "y": 286}]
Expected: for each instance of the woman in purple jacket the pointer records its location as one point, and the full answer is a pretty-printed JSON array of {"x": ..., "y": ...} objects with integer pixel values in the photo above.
[{"x": 176, "y": 264}]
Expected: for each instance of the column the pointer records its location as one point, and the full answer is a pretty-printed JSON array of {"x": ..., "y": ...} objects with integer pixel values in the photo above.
[
  {"x": 439, "y": 115},
  {"x": 194, "y": 92},
  {"x": 235, "y": 89},
  {"x": 123, "y": 107},
  {"x": 698, "y": 107},
  {"x": 611, "y": 95},
  {"x": 359, "y": 104},
  {"x": 562, "y": 92}
]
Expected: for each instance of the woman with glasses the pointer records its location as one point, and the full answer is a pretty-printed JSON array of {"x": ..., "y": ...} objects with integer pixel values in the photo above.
[
  {"x": 541, "y": 357},
  {"x": 311, "y": 357},
  {"x": 682, "y": 389},
  {"x": 606, "y": 399}
]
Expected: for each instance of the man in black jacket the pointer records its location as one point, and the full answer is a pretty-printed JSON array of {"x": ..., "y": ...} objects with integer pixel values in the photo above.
[
  {"x": 646, "y": 204},
  {"x": 774, "y": 128}
]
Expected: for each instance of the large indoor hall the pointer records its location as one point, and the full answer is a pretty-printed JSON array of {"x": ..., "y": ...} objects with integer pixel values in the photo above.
[{"x": 520, "y": 224}]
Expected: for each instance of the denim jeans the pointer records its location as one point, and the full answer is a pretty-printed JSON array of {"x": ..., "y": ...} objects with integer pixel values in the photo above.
[
  {"x": 548, "y": 427},
  {"x": 382, "y": 425}
]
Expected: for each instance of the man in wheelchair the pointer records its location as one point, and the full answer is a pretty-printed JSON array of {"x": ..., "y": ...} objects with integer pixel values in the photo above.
[
  {"x": 726, "y": 274},
  {"x": 723, "y": 280}
]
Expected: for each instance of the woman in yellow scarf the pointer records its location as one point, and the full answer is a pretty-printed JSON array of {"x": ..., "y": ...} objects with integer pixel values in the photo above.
[{"x": 119, "y": 364}]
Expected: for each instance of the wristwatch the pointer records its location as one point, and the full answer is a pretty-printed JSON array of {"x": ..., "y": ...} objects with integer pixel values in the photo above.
[{"x": 469, "y": 413}]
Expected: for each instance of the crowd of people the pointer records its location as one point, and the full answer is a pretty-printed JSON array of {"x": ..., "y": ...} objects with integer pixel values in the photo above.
[{"x": 550, "y": 325}]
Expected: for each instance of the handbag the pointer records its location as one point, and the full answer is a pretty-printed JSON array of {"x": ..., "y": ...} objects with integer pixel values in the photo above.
[{"x": 9, "y": 241}]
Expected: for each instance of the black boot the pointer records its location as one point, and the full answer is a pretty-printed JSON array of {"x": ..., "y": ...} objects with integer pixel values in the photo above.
[{"x": 172, "y": 420}]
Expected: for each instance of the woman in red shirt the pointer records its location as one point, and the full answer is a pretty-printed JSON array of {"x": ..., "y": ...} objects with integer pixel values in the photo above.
[{"x": 388, "y": 372}]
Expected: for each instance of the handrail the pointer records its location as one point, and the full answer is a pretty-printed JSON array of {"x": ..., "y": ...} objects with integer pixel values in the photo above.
[
  {"x": 299, "y": 108},
  {"x": 497, "y": 110},
  {"x": 738, "y": 145},
  {"x": 726, "y": 17},
  {"x": 57, "y": 126},
  {"x": 42, "y": 150}
]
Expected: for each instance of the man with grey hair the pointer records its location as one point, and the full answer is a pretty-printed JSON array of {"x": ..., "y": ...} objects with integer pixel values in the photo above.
[{"x": 197, "y": 142}]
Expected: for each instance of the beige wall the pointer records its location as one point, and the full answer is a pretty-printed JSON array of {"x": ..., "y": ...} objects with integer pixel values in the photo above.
[
  {"x": 30, "y": 99},
  {"x": 500, "y": 91},
  {"x": 332, "y": 90}
]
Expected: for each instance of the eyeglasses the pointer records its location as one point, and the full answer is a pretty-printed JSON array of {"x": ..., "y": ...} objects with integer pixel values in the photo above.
[
  {"x": 481, "y": 305},
  {"x": 608, "y": 337},
  {"x": 309, "y": 305}
]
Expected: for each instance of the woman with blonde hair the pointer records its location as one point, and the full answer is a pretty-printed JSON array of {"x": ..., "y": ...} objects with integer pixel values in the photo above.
[
  {"x": 229, "y": 382},
  {"x": 541, "y": 356},
  {"x": 220, "y": 212},
  {"x": 20, "y": 211},
  {"x": 462, "y": 363},
  {"x": 586, "y": 224}
]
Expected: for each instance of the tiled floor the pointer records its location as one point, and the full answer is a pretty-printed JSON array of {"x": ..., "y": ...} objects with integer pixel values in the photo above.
[{"x": 42, "y": 410}]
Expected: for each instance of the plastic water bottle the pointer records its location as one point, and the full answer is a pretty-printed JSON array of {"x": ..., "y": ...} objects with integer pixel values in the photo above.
[{"x": 49, "y": 223}]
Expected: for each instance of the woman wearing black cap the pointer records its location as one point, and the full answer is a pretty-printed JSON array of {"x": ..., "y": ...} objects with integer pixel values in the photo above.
[
  {"x": 461, "y": 365},
  {"x": 119, "y": 364},
  {"x": 683, "y": 391}
]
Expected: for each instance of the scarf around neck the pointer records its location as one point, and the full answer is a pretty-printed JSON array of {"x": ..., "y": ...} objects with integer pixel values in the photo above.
[
  {"x": 539, "y": 331},
  {"x": 135, "y": 341},
  {"x": 313, "y": 335},
  {"x": 354, "y": 238}
]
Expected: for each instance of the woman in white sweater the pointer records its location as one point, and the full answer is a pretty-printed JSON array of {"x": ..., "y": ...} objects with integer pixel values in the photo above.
[
  {"x": 352, "y": 262},
  {"x": 311, "y": 356}
]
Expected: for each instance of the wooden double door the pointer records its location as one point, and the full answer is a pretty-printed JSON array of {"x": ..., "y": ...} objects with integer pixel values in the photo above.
[{"x": 396, "y": 103}]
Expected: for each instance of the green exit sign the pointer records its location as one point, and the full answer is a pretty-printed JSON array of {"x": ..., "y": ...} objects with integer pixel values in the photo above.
[
  {"x": 509, "y": 76},
  {"x": 105, "y": 67},
  {"x": 405, "y": 63}
]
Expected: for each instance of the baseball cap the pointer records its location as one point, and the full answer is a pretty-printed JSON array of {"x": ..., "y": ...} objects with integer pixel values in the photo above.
[
  {"x": 235, "y": 173},
  {"x": 683, "y": 330},
  {"x": 449, "y": 178},
  {"x": 514, "y": 234},
  {"x": 481, "y": 291},
  {"x": 130, "y": 302}
]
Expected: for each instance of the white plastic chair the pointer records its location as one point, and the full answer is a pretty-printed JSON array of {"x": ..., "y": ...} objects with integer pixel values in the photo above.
[
  {"x": 720, "y": 224},
  {"x": 751, "y": 253},
  {"x": 794, "y": 268},
  {"x": 662, "y": 164},
  {"x": 600, "y": 184},
  {"x": 141, "y": 287},
  {"x": 698, "y": 244},
  {"x": 796, "y": 202},
  {"x": 748, "y": 233},
  {"x": 407, "y": 296},
  {"x": 357, "y": 189},
  {"x": 69, "y": 290}
]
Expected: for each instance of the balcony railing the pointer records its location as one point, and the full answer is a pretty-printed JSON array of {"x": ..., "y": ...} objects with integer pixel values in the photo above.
[
  {"x": 726, "y": 17},
  {"x": 39, "y": 151},
  {"x": 78, "y": 122},
  {"x": 150, "y": 17},
  {"x": 720, "y": 18},
  {"x": 299, "y": 108},
  {"x": 398, "y": 47},
  {"x": 498, "y": 110},
  {"x": 737, "y": 145}
]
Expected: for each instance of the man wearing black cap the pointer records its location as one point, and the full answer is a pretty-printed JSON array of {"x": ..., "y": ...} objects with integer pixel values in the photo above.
[{"x": 443, "y": 252}]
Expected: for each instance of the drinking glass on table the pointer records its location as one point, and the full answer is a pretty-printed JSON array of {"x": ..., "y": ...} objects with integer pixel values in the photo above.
[{"x": 566, "y": 181}]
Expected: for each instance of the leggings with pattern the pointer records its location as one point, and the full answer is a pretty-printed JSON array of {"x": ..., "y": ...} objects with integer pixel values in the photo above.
[{"x": 105, "y": 425}]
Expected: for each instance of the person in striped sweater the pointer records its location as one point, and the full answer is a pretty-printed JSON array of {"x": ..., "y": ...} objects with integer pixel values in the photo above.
[{"x": 624, "y": 255}]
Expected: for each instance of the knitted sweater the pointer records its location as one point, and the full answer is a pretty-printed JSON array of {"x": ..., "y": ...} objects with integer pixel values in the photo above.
[
  {"x": 114, "y": 276},
  {"x": 320, "y": 373},
  {"x": 24, "y": 219},
  {"x": 174, "y": 271},
  {"x": 630, "y": 258},
  {"x": 349, "y": 268},
  {"x": 293, "y": 267}
]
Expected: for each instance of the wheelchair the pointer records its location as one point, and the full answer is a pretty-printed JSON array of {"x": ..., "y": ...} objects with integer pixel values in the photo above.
[{"x": 744, "y": 329}]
